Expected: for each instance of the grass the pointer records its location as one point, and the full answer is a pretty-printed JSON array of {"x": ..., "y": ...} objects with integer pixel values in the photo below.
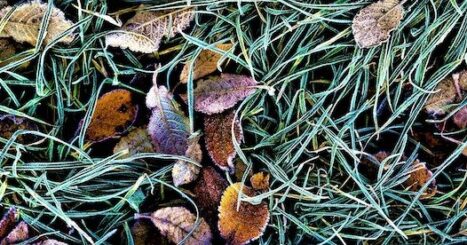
[{"x": 334, "y": 104}]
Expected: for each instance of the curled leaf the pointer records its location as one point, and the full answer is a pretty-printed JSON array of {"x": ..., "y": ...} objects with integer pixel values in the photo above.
[
  {"x": 445, "y": 93},
  {"x": 374, "y": 23},
  {"x": 168, "y": 126},
  {"x": 137, "y": 141},
  {"x": 209, "y": 189},
  {"x": 8, "y": 221},
  {"x": 260, "y": 181},
  {"x": 205, "y": 64},
  {"x": 218, "y": 137},
  {"x": 144, "y": 32},
  {"x": 25, "y": 22},
  {"x": 218, "y": 93},
  {"x": 114, "y": 114},
  {"x": 10, "y": 124},
  {"x": 186, "y": 172},
  {"x": 177, "y": 222},
  {"x": 460, "y": 118},
  {"x": 419, "y": 176},
  {"x": 245, "y": 224},
  {"x": 18, "y": 234}
]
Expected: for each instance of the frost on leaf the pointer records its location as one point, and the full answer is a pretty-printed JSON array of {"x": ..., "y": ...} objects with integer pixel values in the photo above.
[
  {"x": 218, "y": 137},
  {"x": 205, "y": 64},
  {"x": 137, "y": 141},
  {"x": 144, "y": 233},
  {"x": 177, "y": 222},
  {"x": 374, "y": 23},
  {"x": 460, "y": 118},
  {"x": 8, "y": 221},
  {"x": 218, "y": 93},
  {"x": 7, "y": 49},
  {"x": 245, "y": 224},
  {"x": 145, "y": 31},
  {"x": 9, "y": 124},
  {"x": 168, "y": 126},
  {"x": 419, "y": 176},
  {"x": 25, "y": 22},
  {"x": 209, "y": 189},
  {"x": 114, "y": 113},
  {"x": 186, "y": 172},
  {"x": 445, "y": 93},
  {"x": 50, "y": 242},
  {"x": 260, "y": 181},
  {"x": 18, "y": 234}
]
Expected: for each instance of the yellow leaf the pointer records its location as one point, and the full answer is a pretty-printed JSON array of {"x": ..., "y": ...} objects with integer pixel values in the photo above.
[
  {"x": 186, "y": 172},
  {"x": 260, "y": 181}
]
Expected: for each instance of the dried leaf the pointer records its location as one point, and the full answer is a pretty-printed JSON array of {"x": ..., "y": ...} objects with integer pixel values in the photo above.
[
  {"x": 445, "y": 94},
  {"x": 260, "y": 181},
  {"x": 218, "y": 137},
  {"x": 26, "y": 20},
  {"x": 186, "y": 172},
  {"x": 419, "y": 176},
  {"x": 8, "y": 221},
  {"x": 18, "y": 234},
  {"x": 144, "y": 32},
  {"x": 216, "y": 94},
  {"x": 145, "y": 233},
  {"x": 463, "y": 227},
  {"x": 240, "y": 169},
  {"x": 114, "y": 114},
  {"x": 3, "y": 3},
  {"x": 9, "y": 124},
  {"x": 137, "y": 141},
  {"x": 168, "y": 126},
  {"x": 245, "y": 224},
  {"x": 205, "y": 63},
  {"x": 460, "y": 79},
  {"x": 176, "y": 222},
  {"x": 460, "y": 118},
  {"x": 50, "y": 242},
  {"x": 209, "y": 189},
  {"x": 374, "y": 23},
  {"x": 7, "y": 49}
]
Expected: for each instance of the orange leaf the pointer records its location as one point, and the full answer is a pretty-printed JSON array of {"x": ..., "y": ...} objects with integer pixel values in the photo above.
[
  {"x": 9, "y": 124},
  {"x": 419, "y": 176},
  {"x": 245, "y": 224},
  {"x": 260, "y": 181}
]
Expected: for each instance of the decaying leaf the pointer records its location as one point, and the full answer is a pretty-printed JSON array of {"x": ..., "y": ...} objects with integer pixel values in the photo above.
[
  {"x": 445, "y": 94},
  {"x": 3, "y": 3},
  {"x": 8, "y": 221},
  {"x": 113, "y": 115},
  {"x": 176, "y": 222},
  {"x": 144, "y": 233},
  {"x": 137, "y": 141},
  {"x": 245, "y": 224},
  {"x": 419, "y": 176},
  {"x": 205, "y": 64},
  {"x": 7, "y": 49},
  {"x": 168, "y": 126},
  {"x": 50, "y": 242},
  {"x": 374, "y": 23},
  {"x": 186, "y": 172},
  {"x": 209, "y": 189},
  {"x": 463, "y": 228},
  {"x": 240, "y": 170},
  {"x": 25, "y": 23},
  {"x": 9, "y": 124},
  {"x": 145, "y": 31},
  {"x": 218, "y": 137},
  {"x": 460, "y": 79},
  {"x": 460, "y": 118},
  {"x": 260, "y": 181},
  {"x": 218, "y": 93},
  {"x": 18, "y": 234}
]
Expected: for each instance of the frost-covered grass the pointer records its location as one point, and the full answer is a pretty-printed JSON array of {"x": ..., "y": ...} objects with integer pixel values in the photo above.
[{"x": 334, "y": 104}]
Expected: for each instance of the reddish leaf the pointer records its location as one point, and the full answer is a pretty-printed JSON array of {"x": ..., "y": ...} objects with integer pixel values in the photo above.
[
  {"x": 460, "y": 118},
  {"x": 18, "y": 234},
  {"x": 8, "y": 221},
  {"x": 209, "y": 189}
]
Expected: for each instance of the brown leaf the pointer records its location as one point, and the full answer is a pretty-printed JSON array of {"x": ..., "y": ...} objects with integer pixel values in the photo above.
[
  {"x": 445, "y": 94},
  {"x": 114, "y": 113},
  {"x": 145, "y": 233},
  {"x": 8, "y": 221},
  {"x": 9, "y": 124},
  {"x": 25, "y": 22},
  {"x": 419, "y": 176},
  {"x": 7, "y": 50},
  {"x": 460, "y": 118},
  {"x": 245, "y": 224},
  {"x": 209, "y": 189},
  {"x": 374, "y": 23},
  {"x": 18, "y": 234},
  {"x": 218, "y": 137},
  {"x": 240, "y": 169},
  {"x": 186, "y": 172},
  {"x": 3, "y": 3},
  {"x": 137, "y": 141},
  {"x": 176, "y": 222},
  {"x": 260, "y": 181},
  {"x": 205, "y": 64},
  {"x": 144, "y": 32}
]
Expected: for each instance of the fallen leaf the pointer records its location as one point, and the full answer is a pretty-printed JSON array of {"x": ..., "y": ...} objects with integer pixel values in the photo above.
[
  {"x": 460, "y": 78},
  {"x": 218, "y": 93},
  {"x": 7, "y": 49},
  {"x": 137, "y": 141},
  {"x": 10, "y": 124},
  {"x": 205, "y": 64},
  {"x": 463, "y": 227},
  {"x": 113, "y": 115},
  {"x": 168, "y": 126},
  {"x": 445, "y": 94},
  {"x": 25, "y": 23},
  {"x": 245, "y": 224},
  {"x": 460, "y": 118},
  {"x": 240, "y": 170},
  {"x": 144, "y": 32},
  {"x": 260, "y": 181},
  {"x": 186, "y": 172},
  {"x": 176, "y": 222},
  {"x": 209, "y": 188},
  {"x": 419, "y": 176},
  {"x": 374, "y": 23},
  {"x": 50, "y": 242},
  {"x": 8, "y": 221},
  {"x": 218, "y": 138},
  {"x": 18, "y": 234},
  {"x": 3, "y": 3},
  {"x": 144, "y": 233}
]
